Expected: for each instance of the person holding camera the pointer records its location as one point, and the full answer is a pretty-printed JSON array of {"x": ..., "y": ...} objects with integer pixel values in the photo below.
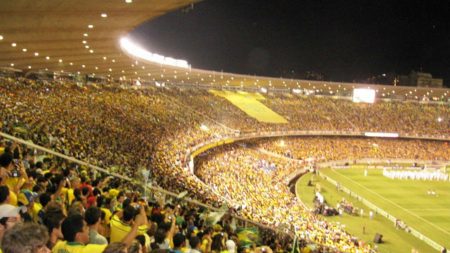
[
  {"x": 122, "y": 222},
  {"x": 12, "y": 173}
]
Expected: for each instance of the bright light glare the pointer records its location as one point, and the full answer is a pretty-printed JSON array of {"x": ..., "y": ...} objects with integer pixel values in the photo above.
[
  {"x": 139, "y": 52},
  {"x": 204, "y": 128},
  {"x": 364, "y": 96},
  {"x": 375, "y": 134},
  {"x": 263, "y": 90}
]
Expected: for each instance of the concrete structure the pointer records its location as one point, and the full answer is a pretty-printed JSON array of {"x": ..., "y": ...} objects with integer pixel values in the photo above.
[{"x": 420, "y": 79}]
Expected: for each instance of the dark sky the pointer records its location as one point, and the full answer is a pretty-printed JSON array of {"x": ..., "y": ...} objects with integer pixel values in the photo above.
[{"x": 343, "y": 40}]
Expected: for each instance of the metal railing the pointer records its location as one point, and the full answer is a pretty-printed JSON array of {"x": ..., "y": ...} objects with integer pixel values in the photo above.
[{"x": 165, "y": 193}]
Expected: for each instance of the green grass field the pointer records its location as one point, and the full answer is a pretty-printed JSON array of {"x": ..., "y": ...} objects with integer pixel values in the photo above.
[{"x": 407, "y": 200}]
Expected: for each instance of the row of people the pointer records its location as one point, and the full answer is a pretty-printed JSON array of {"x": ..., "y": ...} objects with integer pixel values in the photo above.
[
  {"x": 70, "y": 209},
  {"x": 133, "y": 130}
]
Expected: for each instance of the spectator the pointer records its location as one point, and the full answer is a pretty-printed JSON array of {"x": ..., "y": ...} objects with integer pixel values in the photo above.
[
  {"x": 179, "y": 242},
  {"x": 195, "y": 244},
  {"x": 121, "y": 223},
  {"x": 9, "y": 217},
  {"x": 52, "y": 219},
  {"x": 93, "y": 219},
  {"x": 116, "y": 247},
  {"x": 25, "y": 238}
]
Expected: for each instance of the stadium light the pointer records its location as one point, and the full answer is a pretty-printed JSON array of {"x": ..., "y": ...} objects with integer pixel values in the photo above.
[
  {"x": 137, "y": 51},
  {"x": 363, "y": 96},
  {"x": 263, "y": 90}
]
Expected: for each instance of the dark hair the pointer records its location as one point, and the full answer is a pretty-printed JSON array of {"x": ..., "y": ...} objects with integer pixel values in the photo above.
[
  {"x": 44, "y": 198},
  {"x": 4, "y": 193},
  {"x": 178, "y": 240},
  {"x": 39, "y": 165},
  {"x": 71, "y": 226},
  {"x": 5, "y": 159},
  {"x": 77, "y": 194},
  {"x": 96, "y": 192},
  {"x": 85, "y": 191},
  {"x": 126, "y": 203},
  {"x": 38, "y": 188},
  {"x": 92, "y": 215},
  {"x": 53, "y": 217},
  {"x": 194, "y": 241},
  {"x": 41, "y": 179},
  {"x": 100, "y": 199},
  {"x": 56, "y": 180},
  {"x": 216, "y": 243},
  {"x": 129, "y": 213},
  {"x": 160, "y": 235},
  {"x": 141, "y": 240}
]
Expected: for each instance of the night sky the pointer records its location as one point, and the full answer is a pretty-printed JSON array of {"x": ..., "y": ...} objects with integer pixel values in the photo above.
[{"x": 342, "y": 40}]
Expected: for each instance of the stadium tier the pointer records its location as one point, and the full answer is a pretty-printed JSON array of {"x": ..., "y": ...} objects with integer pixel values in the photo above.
[
  {"x": 130, "y": 130},
  {"x": 107, "y": 147}
]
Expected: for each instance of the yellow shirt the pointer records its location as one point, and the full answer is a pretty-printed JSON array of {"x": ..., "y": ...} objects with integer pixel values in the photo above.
[
  {"x": 113, "y": 193},
  {"x": 11, "y": 183},
  {"x": 37, "y": 207},
  {"x": 70, "y": 196},
  {"x": 108, "y": 214},
  {"x": 73, "y": 247},
  {"x": 119, "y": 230}
]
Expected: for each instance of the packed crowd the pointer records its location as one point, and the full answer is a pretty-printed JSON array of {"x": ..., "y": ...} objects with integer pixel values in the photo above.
[
  {"x": 319, "y": 149},
  {"x": 133, "y": 130},
  {"x": 48, "y": 204},
  {"x": 233, "y": 172},
  {"x": 323, "y": 113},
  {"x": 126, "y": 130},
  {"x": 236, "y": 173}
]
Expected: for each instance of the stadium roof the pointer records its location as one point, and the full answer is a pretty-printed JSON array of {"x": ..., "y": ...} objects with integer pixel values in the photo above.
[{"x": 83, "y": 37}]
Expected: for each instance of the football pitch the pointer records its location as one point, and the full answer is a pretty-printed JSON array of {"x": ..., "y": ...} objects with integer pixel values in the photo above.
[{"x": 407, "y": 200}]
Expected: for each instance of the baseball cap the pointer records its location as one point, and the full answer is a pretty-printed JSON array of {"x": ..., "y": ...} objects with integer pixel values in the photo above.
[{"x": 7, "y": 210}]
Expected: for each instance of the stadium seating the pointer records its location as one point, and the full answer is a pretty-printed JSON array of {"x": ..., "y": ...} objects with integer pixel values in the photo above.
[{"x": 129, "y": 131}]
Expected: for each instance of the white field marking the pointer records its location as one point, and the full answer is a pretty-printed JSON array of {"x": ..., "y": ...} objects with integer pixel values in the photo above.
[{"x": 395, "y": 204}]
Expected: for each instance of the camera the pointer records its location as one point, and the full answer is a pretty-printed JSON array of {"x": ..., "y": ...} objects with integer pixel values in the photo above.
[{"x": 15, "y": 172}]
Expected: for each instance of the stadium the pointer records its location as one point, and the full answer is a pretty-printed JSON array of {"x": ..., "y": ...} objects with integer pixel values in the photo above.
[{"x": 108, "y": 147}]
